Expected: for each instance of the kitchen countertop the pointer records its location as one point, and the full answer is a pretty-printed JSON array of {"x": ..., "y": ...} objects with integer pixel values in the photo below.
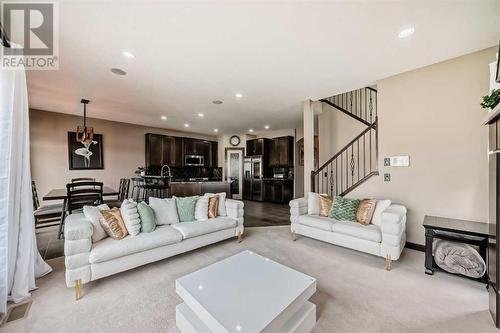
[
  {"x": 201, "y": 181},
  {"x": 155, "y": 177}
]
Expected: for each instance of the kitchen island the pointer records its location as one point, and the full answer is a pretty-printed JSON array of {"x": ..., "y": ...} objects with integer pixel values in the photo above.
[{"x": 190, "y": 188}]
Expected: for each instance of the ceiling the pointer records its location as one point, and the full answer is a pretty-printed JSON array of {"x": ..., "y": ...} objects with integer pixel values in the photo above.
[{"x": 277, "y": 54}]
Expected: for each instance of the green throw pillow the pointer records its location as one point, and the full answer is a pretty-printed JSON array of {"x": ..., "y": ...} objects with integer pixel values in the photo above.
[
  {"x": 185, "y": 208},
  {"x": 344, "y": 209},
  {"x": 147, "y": 216}
]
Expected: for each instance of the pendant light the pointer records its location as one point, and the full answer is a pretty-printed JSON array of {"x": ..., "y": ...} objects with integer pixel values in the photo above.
[{"x": 84, "y": 133}]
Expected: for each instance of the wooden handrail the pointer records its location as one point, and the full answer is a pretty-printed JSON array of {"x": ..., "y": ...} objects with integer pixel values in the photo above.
[{"x": 372, "y": 126}]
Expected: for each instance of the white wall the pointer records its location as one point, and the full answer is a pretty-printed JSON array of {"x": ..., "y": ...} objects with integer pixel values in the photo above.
[{"x": 433, "y": 115}]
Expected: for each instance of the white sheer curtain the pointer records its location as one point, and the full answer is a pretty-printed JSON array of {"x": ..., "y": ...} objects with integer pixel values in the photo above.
[{"x": 20, "y": 262}]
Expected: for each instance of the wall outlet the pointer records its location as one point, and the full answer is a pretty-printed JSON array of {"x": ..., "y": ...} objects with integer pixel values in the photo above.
[
  {"x": 387, "y": 161},
  {"x": 387, "y": 177}
]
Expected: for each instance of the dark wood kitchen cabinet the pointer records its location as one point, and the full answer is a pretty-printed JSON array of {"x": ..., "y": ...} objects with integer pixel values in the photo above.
[
  {"x": 281, "y": 153},
  {"x": 163, "y": 149},
  {"x": 279, "y": 191},
  {"x": 258, "y": 147},
  {"x": 207, "y": 149}
]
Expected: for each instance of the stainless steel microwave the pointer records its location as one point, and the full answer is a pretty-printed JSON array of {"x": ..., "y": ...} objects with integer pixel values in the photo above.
[{"x": 194, "y": 160}]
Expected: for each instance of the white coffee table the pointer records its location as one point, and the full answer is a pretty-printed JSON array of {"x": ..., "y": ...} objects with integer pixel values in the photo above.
[{"x": 246, "y": 293}]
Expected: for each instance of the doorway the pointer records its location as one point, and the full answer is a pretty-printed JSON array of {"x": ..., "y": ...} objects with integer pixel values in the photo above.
[{"x": 234, "y": 170}]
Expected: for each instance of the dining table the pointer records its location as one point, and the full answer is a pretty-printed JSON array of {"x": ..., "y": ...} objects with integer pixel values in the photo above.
[{"x": 61, "y": 194}]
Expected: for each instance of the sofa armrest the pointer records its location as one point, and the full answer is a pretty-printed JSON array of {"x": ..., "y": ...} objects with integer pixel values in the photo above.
[
  {"x": 234, "y": 204},
  {"x": 234, "y": 209},
  {"x": 393, "y": 220},
  {"x": 298, "y": 207},
  {"x": 76, "y": 226},
  {"x": 77, "y": 245}
]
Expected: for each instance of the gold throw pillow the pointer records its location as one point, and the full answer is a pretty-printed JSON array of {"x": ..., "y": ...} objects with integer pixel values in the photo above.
[
  {"x": 365, "y": 211},
  {"x": 113, "y": 223},
  {"x": 213, "y": 206},
  {"x": 325, "y": 205}
]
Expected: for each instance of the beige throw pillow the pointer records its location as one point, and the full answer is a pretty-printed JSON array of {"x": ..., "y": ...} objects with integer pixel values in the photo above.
[
  {"x": 113, "y": 224},
  {"x": 365, "y": 211},
  {"x": 325, "y": 205},
  {"x": 213, "y": 206}
]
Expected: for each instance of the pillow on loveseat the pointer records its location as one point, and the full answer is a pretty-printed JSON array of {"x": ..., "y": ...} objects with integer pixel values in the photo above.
[
  {"x": 325, "y": 205},
  {"x": 147, "y": 217},
  {"x": 186, "y": 208},
  {"x": 165, "y": 210},
  {"x": 344, "y": 209},
  {"x": 222, "y": 202},
  {"x": 93, "y": 214},
  {"x": 365, "y": 211},
  {"x": 130, "y": 216},
  {"x": 113, "y": 223}
]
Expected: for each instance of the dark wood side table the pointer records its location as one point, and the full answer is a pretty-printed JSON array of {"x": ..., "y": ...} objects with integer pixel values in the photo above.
[{"x": 469, "y": 232}]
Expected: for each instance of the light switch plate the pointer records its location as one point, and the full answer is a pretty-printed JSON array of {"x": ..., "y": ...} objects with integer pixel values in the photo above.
[
  {"x": 399, "y": 161},
  {"x": 387, "y": 177},
  {"x": 387, "y": 161}
]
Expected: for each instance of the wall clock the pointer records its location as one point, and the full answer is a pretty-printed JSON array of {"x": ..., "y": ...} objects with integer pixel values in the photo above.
[{"x": 234, "y": 140}]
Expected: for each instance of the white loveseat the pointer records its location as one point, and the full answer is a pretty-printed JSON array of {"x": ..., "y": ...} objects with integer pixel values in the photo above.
[
  {"x": 86, "y": 261},
  {"x": 386, "y": 238}
]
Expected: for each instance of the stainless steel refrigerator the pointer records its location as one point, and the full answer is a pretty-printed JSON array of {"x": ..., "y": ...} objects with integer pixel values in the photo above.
[{"x": 252, "y": 178}]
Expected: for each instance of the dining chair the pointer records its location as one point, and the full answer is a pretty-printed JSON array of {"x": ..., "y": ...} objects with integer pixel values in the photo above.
[
  {"x": 83, "y": 179},
  {"x": 80, "y": 194},
  {"x": 45, "y": 216},
  {"x": 137, "y": 188},
  {"x": 123, "y": 191}
]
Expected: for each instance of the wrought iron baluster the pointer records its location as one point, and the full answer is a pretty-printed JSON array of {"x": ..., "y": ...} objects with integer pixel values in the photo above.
[
  {"x": 358, "y": 157},
  {"x": 352, "y": 163},
  {"x": 371, "y": 107},
  {"x": 350, "y": 100}
]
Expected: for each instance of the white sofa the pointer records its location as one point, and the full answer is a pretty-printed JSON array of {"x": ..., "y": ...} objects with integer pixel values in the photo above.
[
  {"x": 385, "y": 239},
  {"x": 86, "y": 261}
]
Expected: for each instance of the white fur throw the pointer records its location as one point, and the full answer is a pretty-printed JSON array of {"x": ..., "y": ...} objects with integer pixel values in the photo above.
[
  {"x": 458, "y": 258},
  {"x": 130, "y": 216}
]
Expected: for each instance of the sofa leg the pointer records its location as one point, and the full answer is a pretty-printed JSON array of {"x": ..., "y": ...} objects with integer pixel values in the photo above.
[
  {"x": 239, "y": 237},
  {"x": 388, "y": 262},
  {"x": 78, "y": 289},
  {"x": 294, "y": 236}
]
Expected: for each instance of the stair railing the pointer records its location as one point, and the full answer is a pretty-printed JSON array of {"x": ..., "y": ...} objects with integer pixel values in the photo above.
[
  {"x": 357, "y": 161},
  {"x": 360, "y": 104}
]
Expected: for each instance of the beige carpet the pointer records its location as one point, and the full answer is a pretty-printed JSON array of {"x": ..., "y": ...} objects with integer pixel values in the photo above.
[{"x": 355, "y": 293}]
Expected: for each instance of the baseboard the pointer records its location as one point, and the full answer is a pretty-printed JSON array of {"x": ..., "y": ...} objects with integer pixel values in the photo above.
[{"x": 414, "y": 246}]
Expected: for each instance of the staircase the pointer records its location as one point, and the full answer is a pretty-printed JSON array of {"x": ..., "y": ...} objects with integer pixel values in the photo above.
[{"x": 356, "y": 162}]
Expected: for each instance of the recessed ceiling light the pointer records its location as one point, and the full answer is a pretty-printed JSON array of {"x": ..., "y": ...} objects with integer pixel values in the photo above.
[
  {"x": 266, "y": 127},
  {"x": 239, "y": 95},
  {"x": 128, "y": 54},
  {"x": 250, "y": 130},
  {"x": 217, "y": 101},
  {"x": 118, "y": 71},
  {"x": 201, "y": 115},
  {"x": 163, "y": 117},
  {"x": 186, "y": 125},
  {"x": 216, "y": 130},
  {"x": 407, "y": 32}
]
